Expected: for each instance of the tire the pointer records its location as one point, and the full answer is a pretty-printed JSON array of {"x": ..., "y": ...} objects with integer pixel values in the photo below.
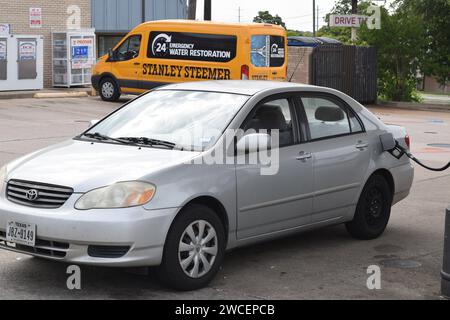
[
  {"x": 109, "y": 90},
  {"x": 171, "y": 271},
  {"x": 372, "y": 211}
]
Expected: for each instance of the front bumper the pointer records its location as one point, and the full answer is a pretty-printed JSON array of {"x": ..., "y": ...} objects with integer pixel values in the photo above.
[
  {"x": 95, "y": 80},
  {"x": 66, "y": 234}
]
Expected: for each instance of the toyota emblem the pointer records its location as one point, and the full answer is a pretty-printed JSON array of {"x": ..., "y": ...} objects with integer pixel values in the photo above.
[{"x": 32, "y": 194}]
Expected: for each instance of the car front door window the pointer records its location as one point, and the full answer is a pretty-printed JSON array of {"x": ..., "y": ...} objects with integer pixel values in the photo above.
[{"x": 129, "y": 49}]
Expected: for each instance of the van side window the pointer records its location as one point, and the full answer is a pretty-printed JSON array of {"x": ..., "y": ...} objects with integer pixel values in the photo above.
[
  {"x": 129, "y": 49},
  {"x": 267, "y": 51}
]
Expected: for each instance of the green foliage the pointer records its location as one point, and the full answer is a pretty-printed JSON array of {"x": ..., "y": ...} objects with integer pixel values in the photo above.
[
  {"x": 297, "y": 33},
  {"x": 398, "y": 42},
  {"x": 266, "y": 17}
]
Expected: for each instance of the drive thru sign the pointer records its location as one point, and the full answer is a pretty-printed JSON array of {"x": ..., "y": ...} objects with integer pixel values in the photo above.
[{"x": 351, "y": 20}]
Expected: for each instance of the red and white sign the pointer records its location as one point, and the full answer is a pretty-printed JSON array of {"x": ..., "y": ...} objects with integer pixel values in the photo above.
[
  {"x": 35, "y": 17},
  {"x": 353, "y": 20}
]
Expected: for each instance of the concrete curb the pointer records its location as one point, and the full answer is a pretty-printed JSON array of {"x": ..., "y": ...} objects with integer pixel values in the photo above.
[
  {"x": 50, "y": 95},
  {"x": 414, "y": 106}
]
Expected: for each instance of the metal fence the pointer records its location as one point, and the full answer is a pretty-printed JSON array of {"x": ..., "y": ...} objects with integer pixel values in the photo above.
[{"x": 350, "y": 69}]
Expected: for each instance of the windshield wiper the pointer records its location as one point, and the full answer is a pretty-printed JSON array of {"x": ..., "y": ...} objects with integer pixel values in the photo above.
[
  {"x": 149, "y": 142},
  {"x": 101, "y": 137}
]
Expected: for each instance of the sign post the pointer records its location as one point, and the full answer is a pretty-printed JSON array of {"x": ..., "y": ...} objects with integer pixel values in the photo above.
[{"x": 445, "y": 273}]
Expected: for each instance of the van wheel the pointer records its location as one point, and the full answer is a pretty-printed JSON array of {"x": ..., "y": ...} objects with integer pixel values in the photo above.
[
  {"x": 372, "y": 211},
  {"x": 194, "y": 249},
  {"x": 109, "y": 90}
]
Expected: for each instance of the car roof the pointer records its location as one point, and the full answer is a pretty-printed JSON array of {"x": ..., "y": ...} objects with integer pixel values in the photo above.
[
  {"x": 244, "y": 87},
  {"x": 208, "y": 23}
]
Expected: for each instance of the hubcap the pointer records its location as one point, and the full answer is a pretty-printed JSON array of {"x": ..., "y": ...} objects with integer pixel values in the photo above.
[
  {"x": 374, "y": 206},
  {"x": 197, "y": 250},
  {"x": 108, "y": 89}
]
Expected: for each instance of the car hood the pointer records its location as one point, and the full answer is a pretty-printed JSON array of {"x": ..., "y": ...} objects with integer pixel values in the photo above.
[{"x": 84, "y": 166}]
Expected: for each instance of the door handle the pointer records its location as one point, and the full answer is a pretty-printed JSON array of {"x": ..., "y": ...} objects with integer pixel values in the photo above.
[
  {"x": 137, "y": 63},
  {"x": 303, "y": 156},
  {"x": 361, "y": 145}
]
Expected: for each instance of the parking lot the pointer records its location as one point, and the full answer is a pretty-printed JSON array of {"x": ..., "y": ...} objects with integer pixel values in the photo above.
[{"x": 322, "y": 264}]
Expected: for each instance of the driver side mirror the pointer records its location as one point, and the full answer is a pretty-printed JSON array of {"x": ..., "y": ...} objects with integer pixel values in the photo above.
[
  {"x": 111, "y": 56},
  {"x": 253, "y": 142}
]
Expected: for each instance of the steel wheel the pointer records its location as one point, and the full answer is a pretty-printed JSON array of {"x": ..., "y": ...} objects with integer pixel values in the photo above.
[
  {"x": 108, "y": 90},
  {"x": 198, "y": 249}
]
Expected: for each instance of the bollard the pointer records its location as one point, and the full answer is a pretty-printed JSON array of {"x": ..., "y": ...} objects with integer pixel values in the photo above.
[{"x": 445, "y": 274}]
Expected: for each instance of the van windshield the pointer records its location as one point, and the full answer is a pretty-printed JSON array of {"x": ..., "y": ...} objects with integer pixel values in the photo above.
[{"x": 192, "y": 120}]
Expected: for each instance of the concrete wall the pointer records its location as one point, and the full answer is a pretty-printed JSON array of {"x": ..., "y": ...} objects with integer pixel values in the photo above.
[
  {"x": 54, "y": 17},
  {"x": 301, "y": 56}
]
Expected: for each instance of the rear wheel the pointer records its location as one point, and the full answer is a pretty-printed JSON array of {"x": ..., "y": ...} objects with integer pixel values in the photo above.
[
  {"x": 194, "y": 249},
  {"x": 109, "y": 90},
  {"x": 373, "y": 210}
]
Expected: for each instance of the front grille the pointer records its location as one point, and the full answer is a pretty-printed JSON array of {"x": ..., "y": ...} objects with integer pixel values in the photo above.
[
  {"x": 108, "y": 251},
  {"x": 35, "y": 194},
  {"x": 46, "y": 248}
]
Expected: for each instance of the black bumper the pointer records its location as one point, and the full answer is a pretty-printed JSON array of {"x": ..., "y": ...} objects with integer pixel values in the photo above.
[{"x": 95, "y": 80}]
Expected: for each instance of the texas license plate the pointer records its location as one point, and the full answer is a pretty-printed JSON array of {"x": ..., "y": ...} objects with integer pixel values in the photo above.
[{"x": 21, "y": 233}]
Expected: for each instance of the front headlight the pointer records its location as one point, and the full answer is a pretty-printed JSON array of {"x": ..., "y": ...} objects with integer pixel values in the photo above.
[{"x": 118, "y": 195}]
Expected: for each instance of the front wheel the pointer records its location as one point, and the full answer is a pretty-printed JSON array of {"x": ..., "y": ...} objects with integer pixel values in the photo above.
[
  {"x": 372, "y": 211},
  {"x": 109, "y": 90},
  {"x": 194, "y": 249}
]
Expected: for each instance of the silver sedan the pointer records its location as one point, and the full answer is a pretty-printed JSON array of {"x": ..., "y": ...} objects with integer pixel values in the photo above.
[{"x": 179, "y": 175}]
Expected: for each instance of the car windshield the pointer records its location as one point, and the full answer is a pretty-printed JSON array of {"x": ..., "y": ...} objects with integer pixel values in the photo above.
[{"x": 191, "y": 120}]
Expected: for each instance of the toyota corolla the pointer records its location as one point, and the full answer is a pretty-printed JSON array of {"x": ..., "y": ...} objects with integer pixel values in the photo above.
[{"x": 185, "y": 172}]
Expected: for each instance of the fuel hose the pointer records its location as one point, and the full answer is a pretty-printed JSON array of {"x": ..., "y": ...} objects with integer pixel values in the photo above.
[{"x": 404, "y": 151}]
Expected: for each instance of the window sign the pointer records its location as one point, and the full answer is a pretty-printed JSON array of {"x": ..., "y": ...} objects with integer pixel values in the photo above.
[
  {"x": 5, "y": 29},
  {"x": 35, "y": 17},
  {"x": 3, "y": 50},
  {"x": 82, "y": 52},
  {"x": 27, "y": 50}
]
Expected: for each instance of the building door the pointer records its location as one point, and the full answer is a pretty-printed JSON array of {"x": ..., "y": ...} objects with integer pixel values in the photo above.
[
  {"x": 27, "y": 52},
  {"x": 3, "y": 59}
]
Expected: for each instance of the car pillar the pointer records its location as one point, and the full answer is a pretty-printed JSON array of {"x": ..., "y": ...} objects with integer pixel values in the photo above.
[{"x": 445, "y": 274}]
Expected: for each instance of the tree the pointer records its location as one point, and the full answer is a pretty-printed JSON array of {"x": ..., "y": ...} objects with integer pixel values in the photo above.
[
  {"x": 397, "y": 43},
  {"x": 266, "y": 17},
  {"x": 434, "y": 56}
]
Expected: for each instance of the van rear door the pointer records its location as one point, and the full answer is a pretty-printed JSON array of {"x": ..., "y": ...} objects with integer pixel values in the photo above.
[{"x": 267, "y": 57}]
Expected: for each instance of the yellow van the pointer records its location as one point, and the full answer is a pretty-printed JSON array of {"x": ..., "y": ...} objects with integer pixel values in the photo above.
[{"x": 167, "y": 51}]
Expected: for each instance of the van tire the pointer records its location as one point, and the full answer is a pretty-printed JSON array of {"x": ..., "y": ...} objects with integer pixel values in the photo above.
[
  {"x": 171, "y": 271},
  {"x": 372, "y": 211},
  {"x": 109, "y": 90}
]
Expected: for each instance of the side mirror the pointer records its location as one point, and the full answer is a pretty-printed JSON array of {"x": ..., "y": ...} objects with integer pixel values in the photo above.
[
  {"x": 388, "y": 142},
  {"x": 253, "y": 142},
  {"x": 93, "y": 123},
  {"x": 111, "y": 55}
]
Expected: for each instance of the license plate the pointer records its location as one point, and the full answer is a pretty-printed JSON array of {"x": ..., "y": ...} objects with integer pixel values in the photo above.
[{"x": 21, "y": 233}]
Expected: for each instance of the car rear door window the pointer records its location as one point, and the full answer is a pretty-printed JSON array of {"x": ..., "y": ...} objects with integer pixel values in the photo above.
[{"x": 328, "y": 118}]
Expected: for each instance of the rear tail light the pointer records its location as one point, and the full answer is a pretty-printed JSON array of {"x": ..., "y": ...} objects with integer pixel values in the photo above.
[
  {"x": 408, "y": 141},
  {"x": 245, "y": 72}
]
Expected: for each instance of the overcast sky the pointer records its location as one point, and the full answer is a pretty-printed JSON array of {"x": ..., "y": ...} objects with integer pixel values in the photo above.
[{"x": 297, "y": 14}]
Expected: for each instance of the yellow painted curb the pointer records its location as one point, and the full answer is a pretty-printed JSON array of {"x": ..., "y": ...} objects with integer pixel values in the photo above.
[{"x": 47, "y": 95}]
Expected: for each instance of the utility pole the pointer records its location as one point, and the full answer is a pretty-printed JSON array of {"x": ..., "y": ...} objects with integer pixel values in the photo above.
[
  {"x": 207, "y": 11},
  {"x": 317, "y": 28},
  {"x": 239, "y": 14},
  {"x": 192, "y": 9},
  {"x": 354, "y": 11},
  {"x": 314, "y": 18}
]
